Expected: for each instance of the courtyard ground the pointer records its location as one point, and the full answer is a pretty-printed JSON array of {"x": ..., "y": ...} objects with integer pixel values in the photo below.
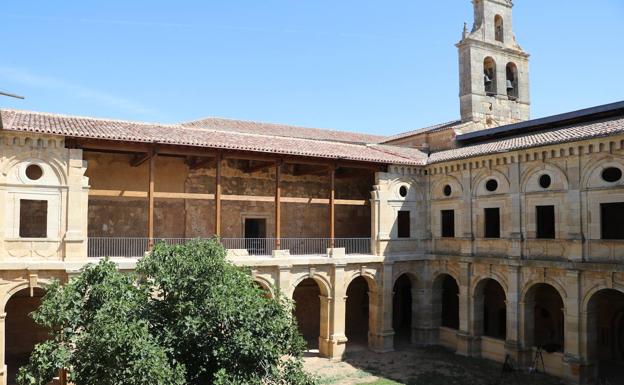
[{"x": 416, "y": 366}]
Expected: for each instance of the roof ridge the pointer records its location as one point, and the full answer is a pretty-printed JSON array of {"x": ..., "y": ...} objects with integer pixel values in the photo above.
[
  {"x": 198, "y": 121},
  {"x": 401, "y": 135}
]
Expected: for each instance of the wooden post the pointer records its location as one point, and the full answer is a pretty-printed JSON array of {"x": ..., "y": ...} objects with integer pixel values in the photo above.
[
  {"x": 150, "y": 199},
  {"x": 332, "y": 209},
  {"x": 278, "y": 209},
  {"x": 218, "y": 195}
]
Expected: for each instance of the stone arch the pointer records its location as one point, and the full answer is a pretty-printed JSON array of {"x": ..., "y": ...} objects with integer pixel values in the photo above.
[
  {"x": 311, "y": 312},
  {"x": 603, "y": 327},
  {"x": 590, "y": 175},
  {"x": 51, "y": 165},
  {"x": 512, "y": 82},
  {"x": 457, "y": 189},
  {"x": 481, "y": 179},
  {"x": 414, "y": 192},
  {"x": 543, "y": 316},
  {"x": 445, "y": 301},
  {"x": 529, "y": 181},
  {"x": 265, "y": 285},
  {"x": 489, "y": 76},
  {"x": 489, "y": 310},
  {"x": 404, "y": 308},
  {"x": 499, "y": 29},
  {"x": 361, "y": 308},
  {"x": 325, "y": 286},
  {"x": 18, "y": 331}
]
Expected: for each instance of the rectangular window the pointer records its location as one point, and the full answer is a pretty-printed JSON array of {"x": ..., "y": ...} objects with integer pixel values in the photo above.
[
  {"x": 403, "y": 224},
  {"x": 612, "y": 220},
  {"x": 492, "y": 222},
  {"x": 33, "y": 219},
  {"x": 545, "y": 220},
  {"x": 448, "y": 223}
]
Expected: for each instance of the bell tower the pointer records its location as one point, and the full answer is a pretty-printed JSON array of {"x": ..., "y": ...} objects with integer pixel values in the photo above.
[{"x": 493, "y": 69}]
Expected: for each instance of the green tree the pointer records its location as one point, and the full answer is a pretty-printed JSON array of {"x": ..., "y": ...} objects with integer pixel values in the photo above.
[{"x": 186, "y": 317}]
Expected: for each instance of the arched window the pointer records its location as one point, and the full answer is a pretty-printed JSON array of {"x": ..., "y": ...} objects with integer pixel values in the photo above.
[
  {"x": 499, "y": 29},
  {"x": 512, "y": 81},
  {"x": 489, "y": 76}
]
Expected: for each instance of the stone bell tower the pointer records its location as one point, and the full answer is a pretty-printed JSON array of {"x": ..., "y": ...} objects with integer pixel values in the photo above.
[{"x": 493, "y": 69}]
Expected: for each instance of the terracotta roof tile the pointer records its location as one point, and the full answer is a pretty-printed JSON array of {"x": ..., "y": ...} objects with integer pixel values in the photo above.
[
  {"x": 243, "y": 126},
  {"x": 84, "y": 127},
  {"x": 572, "y": 133}
]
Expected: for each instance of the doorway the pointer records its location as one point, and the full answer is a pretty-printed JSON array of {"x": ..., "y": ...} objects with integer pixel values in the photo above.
[{"x": 255, "y": 236}]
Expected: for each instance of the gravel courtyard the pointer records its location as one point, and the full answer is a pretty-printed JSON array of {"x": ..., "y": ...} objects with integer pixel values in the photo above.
[{"x": 416, "y": 366}]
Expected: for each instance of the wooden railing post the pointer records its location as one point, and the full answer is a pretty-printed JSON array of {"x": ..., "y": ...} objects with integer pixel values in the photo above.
[
  {"x": 332, "y": 209},
  {"x": 218, "y": 195},
  {"x": 150, "y": 200},
  {"x": 278, "y": 209}
]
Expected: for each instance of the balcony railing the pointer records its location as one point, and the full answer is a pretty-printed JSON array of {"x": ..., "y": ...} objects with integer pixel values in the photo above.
[{"x": 137, "y": 247}]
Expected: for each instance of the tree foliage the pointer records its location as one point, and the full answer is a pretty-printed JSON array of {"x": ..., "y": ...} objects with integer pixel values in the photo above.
[{"x": 187, "y": 316}]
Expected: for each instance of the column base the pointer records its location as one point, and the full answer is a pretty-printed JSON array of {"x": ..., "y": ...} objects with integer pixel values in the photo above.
[
  {"x": 382, "y": 342},
  {"x": 468, "y": 345},
  {"x": 333, "y": 348},
  {"x": 577, "y": 372},
  {"x": 424, "y": 336}
]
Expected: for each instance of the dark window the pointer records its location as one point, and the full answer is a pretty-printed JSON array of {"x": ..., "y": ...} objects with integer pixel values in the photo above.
[
  {"x": 403, "y": 224},
  {"x": 545, "y": 218},
  {"x": 545, "y": 181},
  {"x": 612, "y": 220},
  {"x": 612, "y": 174},
  {"x": 492, "y": 223},
  {"x": 448, "y": 190},
  {"x": 255, "y": 236},
  {"x": 33, "y": 219},
  {"x": 491, "y": 185},
  {"x": 448, "y": 223},
  {"x": 403, "y": 191}
]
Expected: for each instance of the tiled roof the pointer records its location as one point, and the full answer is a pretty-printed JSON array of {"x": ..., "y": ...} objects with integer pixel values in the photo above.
[
  {"x": 273, "y": 129},
  {"x": 437, "y": 127},
  {"x": 176, "y": 134},
  {"x": 571, "y": 133}
]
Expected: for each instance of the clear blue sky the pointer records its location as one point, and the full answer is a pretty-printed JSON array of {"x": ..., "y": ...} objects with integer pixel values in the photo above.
[{"x": 379, "y": 66}]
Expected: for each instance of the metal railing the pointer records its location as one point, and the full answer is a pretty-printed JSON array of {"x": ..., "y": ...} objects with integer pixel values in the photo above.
[{"x": 137, "y": 247}]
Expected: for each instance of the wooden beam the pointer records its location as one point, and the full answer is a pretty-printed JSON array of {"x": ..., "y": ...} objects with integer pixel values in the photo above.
[
  {"x": 179, "y": 150},
  {"x": 332, "y": 209},
  {"x": 218, "y": 195},
  {"x": 278, "y": 211},
  {"x": 150, "y": 199},
  {"x": 130, "y": 194},
  {"x": 139, "y": 159}
]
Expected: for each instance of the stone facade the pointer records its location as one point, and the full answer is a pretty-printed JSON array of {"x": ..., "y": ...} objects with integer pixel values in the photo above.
[{"x": 492, "y": 255}]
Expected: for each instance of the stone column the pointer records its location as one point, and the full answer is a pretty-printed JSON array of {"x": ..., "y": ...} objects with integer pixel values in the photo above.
[
  {"x": 337, "y": 306},
  {"x": 424, "y": 327},
  {"x": 283, "y": 280},
  {"x": 467, "y": 343},
  {"x": 381, "y": 333},
  {"x": 76, "y": 206},
  {"x": 573, "y": 365},
  {"x": 325, "y": 346},
  {"x": 513, "y": 346}
]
